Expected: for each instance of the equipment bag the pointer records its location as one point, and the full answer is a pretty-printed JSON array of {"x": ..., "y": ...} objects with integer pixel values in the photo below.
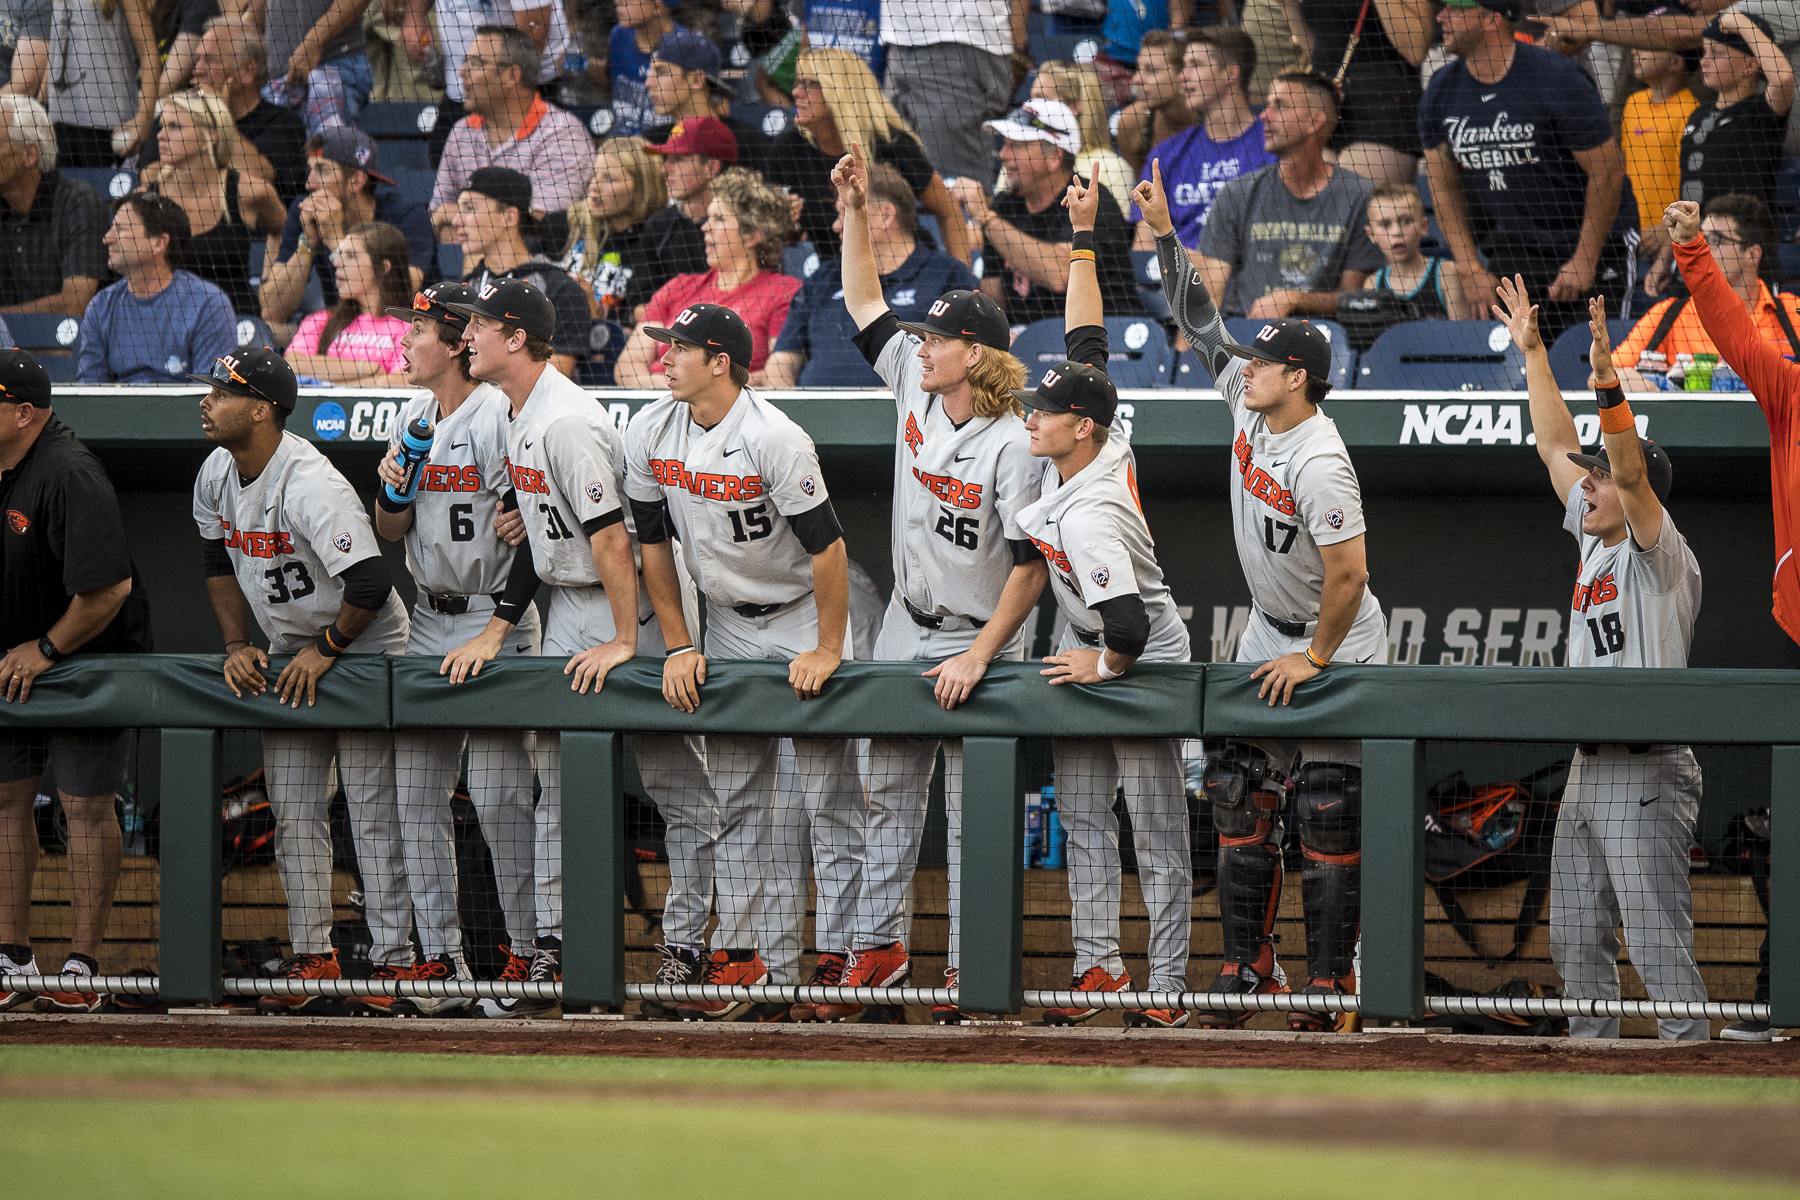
[{"x": 1488, "y": 836}]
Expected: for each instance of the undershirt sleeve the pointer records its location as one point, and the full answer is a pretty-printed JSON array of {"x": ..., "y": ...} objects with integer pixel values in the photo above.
[
  {"x": 367, "y": 583},
  {"x": 817, "y": 528},
  {"x": 652, "y": 520},
  {"x": 214, "y": 562},
  {"x": 873, "y": 340},
  {"x": 1127, "y": 624},
  {"x": 521, "y": 585}
]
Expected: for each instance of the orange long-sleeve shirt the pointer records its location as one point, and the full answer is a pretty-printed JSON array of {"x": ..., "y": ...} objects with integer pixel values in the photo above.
[{"x": 1775, "y": 382}]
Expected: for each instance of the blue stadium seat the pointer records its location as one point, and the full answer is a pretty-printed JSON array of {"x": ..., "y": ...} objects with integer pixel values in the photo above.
[
  {"x": 313, "y": 298},
  {"x": 413, "y": 154},
  {"x": 54, "y": 339},
  {"x": 1052, "y": 38},
  {"x": 597, "y": 117},
  {"x": 1343, "y": 359},
  {"x": 1148, "y": 272},
  {"x": 1139, "y": 354},
  {"x": 398, "y": 119},
  {"x": 1569, "y": 354},
  {"x": 253, "y": 331},
  {"x": 109, "y": 183},
  {"x": 1039, "y": 345},
  {"x": 606, "y": 341},
  {"x": 766, "y": 117},
  {"x": 1790, "y": 261},
  {"x": 1444, "y": 356},
  {"x": 259, "y": 250},
  {"x": 415, "y": 185},
  {"x": 450, "y": 260},
  {"x": 1189, "y": 371},
  {"x": 800, "y": 261}
]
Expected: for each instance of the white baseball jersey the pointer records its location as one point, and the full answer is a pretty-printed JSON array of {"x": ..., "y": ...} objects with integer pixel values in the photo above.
[
  {"x": 1092, "y": 531},
  {"x": 1632, "y": 607},
  {"x": 563, "y": 456},
  {"x": 731, "y": 490},
  {"x": 451, "y": 546},
  {"x": 290, "y": 533},
  {"x": 958, "y": 491}
]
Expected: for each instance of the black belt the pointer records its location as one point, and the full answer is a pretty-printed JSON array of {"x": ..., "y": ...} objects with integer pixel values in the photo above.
[
  {"x": 1630, "y": 747},
  {"x": 753, "y": 611},
  {"x": 925, "y": 620},
  {"x": 1287, "y": 628},
  {"x": 452, "y": 606},
  {"x": 1086, "y": 638}
]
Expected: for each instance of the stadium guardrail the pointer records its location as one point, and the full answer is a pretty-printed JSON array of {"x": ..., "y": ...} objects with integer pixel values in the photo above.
[{"x": 1393, "y": 714}]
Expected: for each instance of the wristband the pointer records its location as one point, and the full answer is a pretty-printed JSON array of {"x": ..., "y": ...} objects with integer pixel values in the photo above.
[
  {"x": 1617, "y": 418},
  {"x": 236, "y": 642},
  {"x": 1076, "y": 256},
  {"x": 1104, "y": 673},
  {"x": 328, "y": 642},
  {"x": 687, "y": 649},
  {"x": 1313, "y": 659},
  {"x": 1082, "y": 241},
  {"x": 301, "y": 243},
  {"x": 1609, "y": 396}
]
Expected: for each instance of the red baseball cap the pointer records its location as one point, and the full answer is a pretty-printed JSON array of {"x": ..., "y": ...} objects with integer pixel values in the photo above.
[{"x": 701, "y": 135}]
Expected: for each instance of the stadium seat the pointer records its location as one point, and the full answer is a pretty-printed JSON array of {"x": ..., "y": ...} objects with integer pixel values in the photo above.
[
  {"x": 800, "y": 261},
  {"x": 597, "y": 117},
  {"x": 1039, "y": 345},
  {"x": 1569, "y": 356},
  {"x": 109, "y": 183},
  {"x": 606, "y": 341},
  {"x": 1068, "y": 39},
  {"x": 1139, "y": 354},
  {"x": 53, "y": 338},
  {"x": 313, "y": 298},
  {"x": 409, "y": 155},
  {"x": 253, "y": 331},
  {"x": 1444, "y": 356},
  {"x": 450, "y": 260},
  {"x": 415, "y": 184},
  {"x": 398, "y": 119},
  {"x": 766, "y": 117},
  {"x": 1790, "y": 261},
  {"x": 1148, "y": 272},
  {"x": 1787, "y": 198},
  {"x": 1343, "y": 359},
  {"x": 258, "y": 253}
]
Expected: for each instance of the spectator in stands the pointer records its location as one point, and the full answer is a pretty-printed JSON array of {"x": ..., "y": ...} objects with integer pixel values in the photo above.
[
  {"x": 950, "y": 68},
  {"x": 355, "y": 342},
  {"x": 1079, "y": 88},
  {"x": 1160, "y": 110},
  {"x": 1122, "y": 33},
  {"x": 1655, "y": 116},
  {"x": 179, "y": 25},
  {"x": 748, "y": 225},
  {"x": 692, "y": 158},
  {"x": 1025, "y": 266},
  {"x": 232, "y": 62},
  {"x": 231, "y": 208},
  {"x": 1734, "y": 143},
  {"x": 1396, "y": 224},
  {"x": 103, "y": 110},
  {"x": 51, "y": 227},
  {"x": 764, "y": 29},
  {"x": 1378, "y": 135},
  {"x": 838, "y": 101},
  {"x": 493, "y": 215},
  {"x": 1227, "y": 144},
  {"x": 342, "y": 182},
  {"x": 1547, "y": 182},
  {"x": 607, "y": 253},
  {"x": 458, "y": 25},
  {"x": 25, "y": 54},
  {"x": 157, "y": 323},
  {"x": 642, "y": 24},
  {"x": 1638, "y": 24},
  {"x": 328, "y": 71},
  {"x": 684, "y": 83},
  {"x": 510, "y": 125},
  {"x": 1741, "y": 233},
  {"x": 815, "y": 348},
  {"x": 1284, "y": 241}
]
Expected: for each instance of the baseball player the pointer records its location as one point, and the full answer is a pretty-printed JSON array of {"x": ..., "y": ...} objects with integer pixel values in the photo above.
[
  {"x": 732, "y": 478},
  {"x": 286, "y": 541},
  {"x": 1627, "y": 816},
  {"x": 965, "y": 575},
  {"x": 1103, "y": 572},
  {"x": 1297, "y": 518},
  {"x": 564, "y": 460},
  {"x": 461, "y": 567}
]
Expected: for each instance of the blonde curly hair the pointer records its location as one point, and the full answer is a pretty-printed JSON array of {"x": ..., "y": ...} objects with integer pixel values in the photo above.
[{"x": 759, "y": 208}]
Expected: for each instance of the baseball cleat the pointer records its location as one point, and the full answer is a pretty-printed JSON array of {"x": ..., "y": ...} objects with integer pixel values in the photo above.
[
  {"x": 769, "y": 1012},
  {"x": 1239, "y": 979},
  {"x": 8, "y": 966},
  {"x": 829, "y": 972},
  {"x": 1155, "y": 1018},
  {"x": 302, "y": 966},
  {"x": 947, "y": 1014},
  {"x": 724, "y": 968},
  {"x": 546, "y": 967},
  {"x": 439, "y": 968},
  {"x": 1323, "y": 1022},
  {"x": 1094, "y": 979},
  {"x": 1748, "y": 1031},
  {"x": 881, "y": 966},
  {"x": 680, "y": 965},
  {"x": 378, "y": 1006},
  {"x": 71, "y": 1002}
]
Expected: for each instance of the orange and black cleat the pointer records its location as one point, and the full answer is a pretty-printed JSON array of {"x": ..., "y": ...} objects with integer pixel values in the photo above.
[{"x": 1094, "y": 979}]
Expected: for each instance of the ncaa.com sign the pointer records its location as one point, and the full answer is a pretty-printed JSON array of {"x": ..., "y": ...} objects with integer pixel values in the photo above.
[
  {"x": 1487, "y": 425},
  {"x": 373, "y": 420}
]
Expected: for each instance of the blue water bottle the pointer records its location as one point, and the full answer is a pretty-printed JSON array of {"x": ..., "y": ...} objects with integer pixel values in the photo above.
[{"x": 415, "y": 444}]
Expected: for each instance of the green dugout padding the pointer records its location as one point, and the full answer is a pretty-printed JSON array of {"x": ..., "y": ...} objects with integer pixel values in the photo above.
[{"x": 1393, "y": 711}]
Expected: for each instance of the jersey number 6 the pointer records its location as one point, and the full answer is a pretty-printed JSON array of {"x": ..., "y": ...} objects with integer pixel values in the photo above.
[{"x": 964, "y": 532}]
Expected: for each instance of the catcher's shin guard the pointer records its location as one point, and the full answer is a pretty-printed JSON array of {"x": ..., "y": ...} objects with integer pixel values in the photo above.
[
  {"x": 1328, "y": 806},
  {"x": 1246, "y": 794}
]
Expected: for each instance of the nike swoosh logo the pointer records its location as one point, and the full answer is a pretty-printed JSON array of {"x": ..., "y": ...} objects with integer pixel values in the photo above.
[
  {"x": 962, "y": 458},
  {"x": 729, "y": 453},
  {"x": 1361, "y": 661},
  {"x": 524, "y": 649},
  {"x": 1489, "y": 96},
  {"x": 528, "y": 445},
  {"x": 1650, "y": 801},
  {"x": 647, "y": 620},
  {"x": 457, "y": 445}
]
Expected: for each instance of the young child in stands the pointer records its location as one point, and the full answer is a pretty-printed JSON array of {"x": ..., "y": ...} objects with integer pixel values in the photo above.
[{"x": 1396, "y": 224}]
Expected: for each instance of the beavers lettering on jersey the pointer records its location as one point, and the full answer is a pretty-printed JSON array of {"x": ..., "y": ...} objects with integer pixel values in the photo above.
[
  {"x": 257, "y": 545},
  {"x": 914, "y": 438},
  {"x": 1260, "y": 483},
  {"x": 672, "y": 472},
  {"x": 1057, "y": 558},
  {"x": 527, "y": 479},
  {"x": 440, "y": 478},
  {"x": 1601, "y": 591},
  {"x": 950, "y": 490}
]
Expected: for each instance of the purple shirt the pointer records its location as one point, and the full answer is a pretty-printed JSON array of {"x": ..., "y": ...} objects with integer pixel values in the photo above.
[
  {"x": 1194, "y": 168},
  {"x": 552, "y": 149}
]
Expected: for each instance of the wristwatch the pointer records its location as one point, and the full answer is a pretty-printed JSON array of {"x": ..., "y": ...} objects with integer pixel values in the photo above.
[{"x": 48, "y": 649}]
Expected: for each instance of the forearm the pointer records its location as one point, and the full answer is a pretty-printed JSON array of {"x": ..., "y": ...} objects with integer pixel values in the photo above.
[
  {"x": 1339, "y": 602},
  {"x": 1677, "y": 31},
  {"x": 951, "y": 223},
  {"x": 664, "y": 585},
  {"x": 1317, "y": 304},
  {"x": 1017, "y": 600},
  {"x": 88, "y": 613},
  {"x": 1604, "y": 187},
  {"x": 831, "y": 592},
  {"x": 1551, "y": 423},
  {"x": 230, "y": 609},
  {"x": 862, "y": 279},
  {"x": 72, "y": 298},
  {"x": 1193, "y": 306},
  {"x": 611, "y": 548},
  {"x": 338, "y": 18},
  {"x": 352, "y": 621},
  {"x": 334, "y": 370},
  {"x": 283, "y": 285},
  {"x": 1044, "y": 263},
  {"x": 143, "y": 39},
  {"x": 1082, "y": 306},
  {"x": 393, "y": 525}
]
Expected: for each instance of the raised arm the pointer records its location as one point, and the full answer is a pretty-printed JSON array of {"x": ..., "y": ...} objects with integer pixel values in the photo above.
[
  {"x": 862, "y": 281},
  {"x": 1775, "y": 66},
  {"x": 1551, "y": 423},
  {"x": 1082, "y": 305},
  {"x": 1643, "y": 511},
  {"x": 1188, "y": 298}
]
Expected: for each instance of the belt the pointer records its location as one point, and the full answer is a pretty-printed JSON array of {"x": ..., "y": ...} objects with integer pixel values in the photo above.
[
  {"x": 1086, "y": 638},
  {"x": 925, "y": 620},
  {"x": 1289, "y": 628},
  {"x": 1630, "y": 747},
  {"x": 753, "y": 611},
  {"x": 452, "y": 606}
]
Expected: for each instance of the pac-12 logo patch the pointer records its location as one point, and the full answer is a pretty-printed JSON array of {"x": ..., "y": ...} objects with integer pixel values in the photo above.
[
  {"x": 1102, "y": 576},
  {"x": 595, "y": 491},
  {"x": 17, "y": 521},
  {"x": 342, "y": 542},
  {"x": 808, "y": 486},
  {"x": 1335, "y": 518}
]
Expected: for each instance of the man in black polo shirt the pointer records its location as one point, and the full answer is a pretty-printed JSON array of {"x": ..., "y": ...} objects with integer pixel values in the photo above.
[
  {"x": 51, "y": 259},
  {"x": 67, "y": 585}
]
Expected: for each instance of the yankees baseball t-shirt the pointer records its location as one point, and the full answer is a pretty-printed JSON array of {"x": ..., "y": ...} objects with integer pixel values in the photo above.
[
  {"x": 563, "y": 456},
  {"x": 1634, "y": 606},
  {"x": 1194, "y": 170},
  {"x": 1275, "y": 241},
  {"x": 451, "y": 546}
]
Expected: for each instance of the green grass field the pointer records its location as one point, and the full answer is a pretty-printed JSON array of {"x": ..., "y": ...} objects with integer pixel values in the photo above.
[{"x": 194, "y": 1123}]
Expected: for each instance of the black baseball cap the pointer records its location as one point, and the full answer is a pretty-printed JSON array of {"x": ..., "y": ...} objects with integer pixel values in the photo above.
[
  {"x": 1507, "y": 8},
  {"x": 259, "y": 372},
  {"x": 507, "y": 188},
  {"x": 1656, "y": 465},
  {"x": 1291, "y": 343},
  {"x": 1714, "y": 33},
  {"x": 514, "y": 301},
  {"x": 968, "y": 315},
  {"x": 23, "y": 380},
  {"x": 712, "y": 327},
  {"x": 1077, "y": 388},
  {"x": 435, "y": 301}
]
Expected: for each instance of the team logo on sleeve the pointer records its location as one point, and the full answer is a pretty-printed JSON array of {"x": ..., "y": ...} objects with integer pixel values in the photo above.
[
  {"x": 342, "y": 542},
  {"x": 808, "y": 486},
  {"x": 1101, "y": 576},
  {"x": 594, "y": 492},
  {"x": 1335, "y": 518},
  {"x": 17, "y": 521}
]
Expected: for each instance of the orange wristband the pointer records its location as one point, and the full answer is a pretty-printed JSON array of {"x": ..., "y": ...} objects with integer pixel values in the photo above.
[{"x": 1617, "y": 419}]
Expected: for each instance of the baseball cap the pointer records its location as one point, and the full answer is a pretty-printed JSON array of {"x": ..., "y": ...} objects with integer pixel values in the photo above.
[
  {"x": 435, "y": 301},
  {"x": 1040, "y": 121},
  {"x": 351, "y": 149},
  {"x": 514, "y": 301},
  {"x": 1656, "y": 465},
  {"x": 260, "y": 373},
  {"x": 23, "y": 379},
  {"x": 506, "y": 187},
  {"x": 700, "y": 135},
  {"x": 1737, "y": 41},
  {"x": 967, "y": 315},
  {"x": 711, "y": 327},
  {"x": 1077, "y": 388},
  {"x": 1292, "y": 343},
  {"x": 1506, "y": 8},
  {"x": 690, "y": 51}
]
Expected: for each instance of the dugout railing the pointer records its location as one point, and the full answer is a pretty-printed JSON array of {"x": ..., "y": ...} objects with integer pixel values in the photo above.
[{"x": 1394, "y": 714}]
